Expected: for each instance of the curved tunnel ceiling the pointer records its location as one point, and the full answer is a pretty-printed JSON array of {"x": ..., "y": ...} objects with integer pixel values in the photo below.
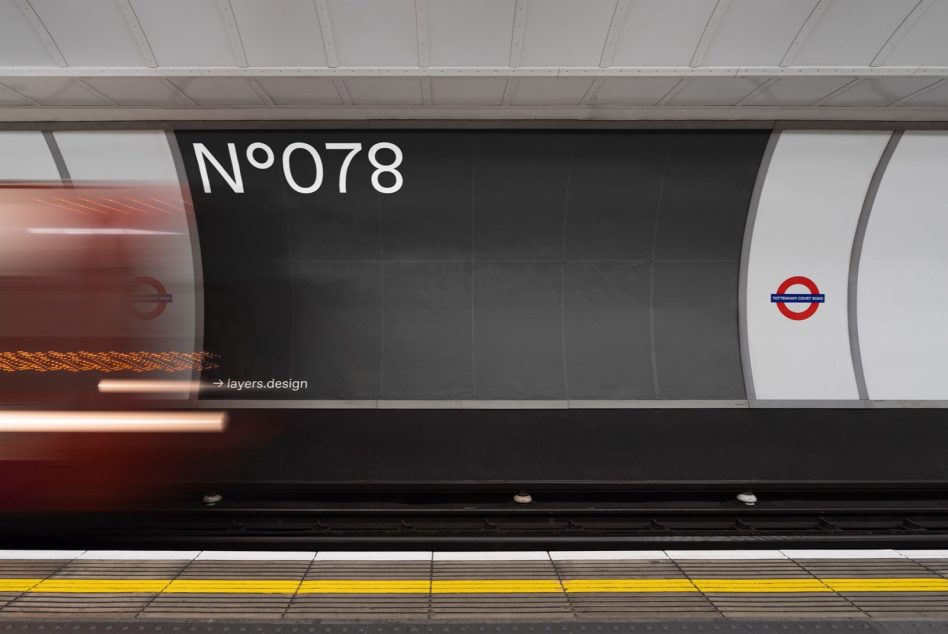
[{"x": 599, "y": 59}]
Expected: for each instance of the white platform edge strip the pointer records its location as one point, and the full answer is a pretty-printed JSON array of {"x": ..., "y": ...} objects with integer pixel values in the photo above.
[
  {"x": 407, "y": 555},
  {"x": 587, "y": 555},
  {"x": 238, "y": 555},
  {"x": 140, "y": 555}
]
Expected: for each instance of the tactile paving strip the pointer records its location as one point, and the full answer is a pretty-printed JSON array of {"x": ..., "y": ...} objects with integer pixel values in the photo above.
[{"x": 537, "y": 589}]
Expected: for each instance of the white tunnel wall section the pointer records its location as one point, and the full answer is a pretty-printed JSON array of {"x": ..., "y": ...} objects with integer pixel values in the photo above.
[
  {"x": 803, "y": 227},
  {"x": 902, "y": 291}
]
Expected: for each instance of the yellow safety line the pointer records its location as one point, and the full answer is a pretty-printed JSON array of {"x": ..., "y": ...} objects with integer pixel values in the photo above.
[
  {"x": 470, "y": 586},
  {"x": 490, "y": 586},
  {"x": 761, "y": 585},
  {"x": 229, "y": 586},
  {"x": 629, "y": 585},
  {"x": 17, "y": 585},
  {"x": 100, "y": 585},
  {"x": 924, "y": 584}
]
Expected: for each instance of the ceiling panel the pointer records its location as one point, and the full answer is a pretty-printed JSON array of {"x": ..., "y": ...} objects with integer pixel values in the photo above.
[
  {"x": 879, "y": 92},
  {"x": 19, "y": 43},
  {"x": 565, "y": 32},
  {"x": 465, "y": 33},
  {"x": 465, "y": 91},
  {"x": 925, "y": 43},
  {"x": 374, "y": 32},
  {"x": 136, "y": 91},
  {"x": 641, "y": 91},
  {"x": 218, "y": 91},
  {"x": 756, "y": 32},
  {"x": 937, "y": 97},
  {"x": 10, "y": 98},
  {"x": 289, "y": 36},
  {"x": 541, "y": 91},
  {"x": 796, "y": 91},
  {"x": 300, "y": 91},
  {"x": 385, "y": 91},
  {"x": 55, "y": 91},
  {"x": 851, "y": 32},
  {"x": 185, "y": 32},
  {"x": 714, "y": 91},
  {"x": 90, "y": 33},
  {"x": 661, "y": 32}
]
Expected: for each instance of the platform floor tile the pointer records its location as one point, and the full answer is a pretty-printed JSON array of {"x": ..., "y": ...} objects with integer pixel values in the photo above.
[
  {"x": 500, "y": 606},
  {"x": 227, "y": 569},
  {"x": 795, "y": 605},
  {"x": 645, "y": 605},
  {"x": 878, "y": 568},
  {"x": 369, "y": 570},
  {"x": 360, "y": 606},
  {"x": 743, "y": 569},
  {"x": 117, "y": 569},
  {"x": 619, "y": 569},
  {"x": 216, "y": 606},
  {"x": 84, "y": 605},
  {"x": 543, "y": 569}
]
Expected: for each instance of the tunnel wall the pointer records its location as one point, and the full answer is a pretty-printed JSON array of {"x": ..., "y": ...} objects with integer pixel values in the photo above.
[{"x": 616, "y": 269}]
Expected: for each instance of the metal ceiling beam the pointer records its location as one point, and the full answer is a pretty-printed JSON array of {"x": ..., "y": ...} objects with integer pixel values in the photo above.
[
  {"x": 343, "y": 92},
  {"x": 516, "y": 36},
  {"x": 480, "y": 72},
  {"x": 525, "y": 114},
  {"x": 33, "y": 18},
  {"x": 918, "y": 93},
  {"x": 804, "y": 33},
  {"x": 592, "y": 91},
  {"x": 95, "y": 92},
  {"x": 138, "y": 32},
  {"x": 173, "y": 88},
  {"x": 421, "y": 31},
  {"x": 233, "y": 32},
  {"x": 18, "y": 94},
  {"x": 509, "y": 89},
  {"x": 258, "y": 89},
  {"x": 612, "y": 35},
  {"x": 708, "y": 34},
  {"x": 426, "y": 91},
  {"x": 904, "y": 27},
  {"x": 325, "y": 28}
]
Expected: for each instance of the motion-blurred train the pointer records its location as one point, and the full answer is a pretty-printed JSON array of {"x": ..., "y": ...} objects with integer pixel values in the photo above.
[{"x": 458, "y": 315}]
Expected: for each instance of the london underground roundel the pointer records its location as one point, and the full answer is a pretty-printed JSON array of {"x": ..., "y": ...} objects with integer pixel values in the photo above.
[{"x": 812, "y": 300}]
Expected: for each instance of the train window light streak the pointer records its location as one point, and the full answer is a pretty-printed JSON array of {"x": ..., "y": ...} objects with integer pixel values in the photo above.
[
  {"x": 101, "y": 231},
  {"x": 89, "y": 422},
  {"x": 147, "y": 386}
]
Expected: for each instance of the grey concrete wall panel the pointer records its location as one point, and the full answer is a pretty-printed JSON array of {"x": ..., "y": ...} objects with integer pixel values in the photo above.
[
  {"x": 427, "y": 302},
  {"x": 337, "y": 326},
  {"x": 614, "y": 188},
  {"x": 608, "y": 349},
  {"x": 522, "y": 181},
  {"x": 696, "y": 346},
  {"x": 708, "y": 185},
  {"x": 518, "y": 330},
  {"x": 434, "y": 222}
]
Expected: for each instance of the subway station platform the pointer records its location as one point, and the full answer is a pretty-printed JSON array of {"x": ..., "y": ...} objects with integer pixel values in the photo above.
[{"x": 124, "y": 589}]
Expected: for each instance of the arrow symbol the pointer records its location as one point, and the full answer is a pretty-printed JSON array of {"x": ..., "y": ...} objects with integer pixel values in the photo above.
[{"x": 218, "y": 383}]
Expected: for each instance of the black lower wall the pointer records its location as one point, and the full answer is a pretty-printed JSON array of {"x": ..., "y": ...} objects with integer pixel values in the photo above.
[{"x": 608, "y": 447}]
